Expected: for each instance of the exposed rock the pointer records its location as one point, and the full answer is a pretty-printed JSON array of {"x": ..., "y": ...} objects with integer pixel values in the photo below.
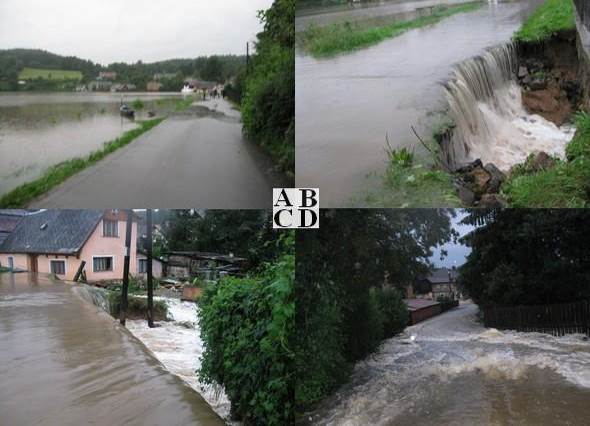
[
  {"x": 538, "y": 84},
  {"x": 541, "y": 161},
  {"x": 497, "y": 178},
  {"x": 466, "y": 195},
  {"x": 491, "y": 201},
  {"x": 522, "y": 72},
  {"x": 469, "y": 167},
  {"x": 549, "y": 104}
]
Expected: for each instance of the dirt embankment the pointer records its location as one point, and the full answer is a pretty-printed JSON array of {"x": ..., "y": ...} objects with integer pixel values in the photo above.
[{"x": 550, "y": 76}]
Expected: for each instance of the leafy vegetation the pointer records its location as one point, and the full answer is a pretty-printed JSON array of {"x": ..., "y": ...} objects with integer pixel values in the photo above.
[
  {"x": 268, "y": 98},
  {"x": 345, "y": 37},
  {"x": 567, "y": 184},
  {"x": 527, "y": 257},
  {"x": 407, "y": 184},
  {"x": 55, "y": 175},
  {"x": 550, "y": 18},
  {"x": 136, "y": 307},
  {"x": 344, "y": 307},
  {"x": 247, "y": 326}
]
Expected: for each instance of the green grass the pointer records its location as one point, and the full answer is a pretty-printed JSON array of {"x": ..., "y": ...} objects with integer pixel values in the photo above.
[
  {"x": 184, "y": 103},
  {"x": 550, "y": 18},
  {"x": 24, "y": 194},
  {"x": 46, "y": 74},
  {"x": 346, "y": 37},
  {"x": 565, "y": 185},
  {"x": 408, "y": 185}
]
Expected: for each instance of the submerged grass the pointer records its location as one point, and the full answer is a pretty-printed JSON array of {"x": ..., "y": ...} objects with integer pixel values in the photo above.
[
  {"x": 550, "y": 18},
  {"x": 346, "y": 37},
  {"x": 55, "y": 175},
  {"x": 565, "y": 185}
]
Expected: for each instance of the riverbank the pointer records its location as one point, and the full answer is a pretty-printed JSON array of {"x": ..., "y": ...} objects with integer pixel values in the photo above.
[
  {"x": 24, "y": 194},
  {"x": 347, "y": 37}
]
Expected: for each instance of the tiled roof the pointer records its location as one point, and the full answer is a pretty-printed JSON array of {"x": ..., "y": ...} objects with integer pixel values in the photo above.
[{"x": 52, "y": 232}]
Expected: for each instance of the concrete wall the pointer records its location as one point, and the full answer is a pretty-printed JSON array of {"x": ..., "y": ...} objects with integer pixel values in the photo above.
[{"x": 424, "y": 313}]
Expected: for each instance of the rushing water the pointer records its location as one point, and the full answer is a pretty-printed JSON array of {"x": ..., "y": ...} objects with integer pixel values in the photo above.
[
  {"x": 177, "y": 344},
  {"x": 38, "y": 130},
  {"x": 348, "y": 104},
  {"x": 491, "y": 121},
  {"x": 456, "y": 372},
  {"x": 65, "y": 362}
]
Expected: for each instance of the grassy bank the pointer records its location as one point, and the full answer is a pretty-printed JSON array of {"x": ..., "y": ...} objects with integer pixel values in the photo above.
[
  {"x": 136, "y": 307},
  {"x": 346, "y": 37},
  {"x": 24, "y": 194},
  {"x": 550, "y": 18},
  {"x": 567, "y": 184}
]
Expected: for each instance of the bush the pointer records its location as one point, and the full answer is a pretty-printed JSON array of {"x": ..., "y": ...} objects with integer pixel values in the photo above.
[
  {"x": 136, "y": 307},
  {"x": 395, "y": 311},
  {"x": 246, "y": 326}
]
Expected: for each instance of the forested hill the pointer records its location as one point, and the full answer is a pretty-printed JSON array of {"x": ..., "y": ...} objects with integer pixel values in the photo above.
[{"x": 216, "y": 68}]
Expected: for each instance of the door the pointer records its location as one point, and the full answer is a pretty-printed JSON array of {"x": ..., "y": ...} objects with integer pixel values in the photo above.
[{"x": 34, "y": 266}]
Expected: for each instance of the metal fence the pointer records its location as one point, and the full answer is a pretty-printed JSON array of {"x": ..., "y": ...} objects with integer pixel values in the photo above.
[
  {"x": 558, "y": 320},
  {"x": 583, "y": 7}
]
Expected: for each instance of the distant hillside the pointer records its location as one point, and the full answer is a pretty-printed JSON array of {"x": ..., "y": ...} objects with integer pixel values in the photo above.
[{"x": 15, "y": 61}]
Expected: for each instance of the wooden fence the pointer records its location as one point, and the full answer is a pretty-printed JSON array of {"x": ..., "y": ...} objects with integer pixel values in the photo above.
[
  {"x": 583, "y": 7},
  {"x": 557, "y": 320}
]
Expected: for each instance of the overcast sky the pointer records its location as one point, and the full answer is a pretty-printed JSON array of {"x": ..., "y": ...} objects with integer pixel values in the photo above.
[
  {"x": 108, "y": 31},
  {"x": 457, "y": 252}
]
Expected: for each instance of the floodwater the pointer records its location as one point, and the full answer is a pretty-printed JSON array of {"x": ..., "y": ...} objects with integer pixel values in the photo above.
[
  {"x": 64, "y": 361},
  {"x": 348, "y": 105},
  {"x": 456, "y": 372},
  {"x": 39, "y": 130},
  {"x": 178, "y": 346}
]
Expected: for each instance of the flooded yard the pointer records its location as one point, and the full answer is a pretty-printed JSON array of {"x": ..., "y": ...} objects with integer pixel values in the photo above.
[{"x": 39, "y": 130}]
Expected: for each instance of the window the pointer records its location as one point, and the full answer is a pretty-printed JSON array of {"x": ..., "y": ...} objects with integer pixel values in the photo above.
[
  {"x": 102, "y": 264},
  {"x": 58, "y": 267},
  {"x": 110, "y": 228},
  {"x": 142, "y": 269},
  {"x": 11, "y": 263}
]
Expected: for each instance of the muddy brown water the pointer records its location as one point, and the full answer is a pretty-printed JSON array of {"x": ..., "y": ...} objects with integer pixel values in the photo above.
[
  {"x": 38, "y": 130},
  {"x": 456, "y": 372},
  {"x": 347, "y": 105},
  {"x": 65, "y": 362}
]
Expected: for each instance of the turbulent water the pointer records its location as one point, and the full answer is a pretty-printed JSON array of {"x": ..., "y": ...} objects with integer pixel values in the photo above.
[
  {"x": 65, "y": 362},
  {"x": 178, "y": 345},
  {"x": 491, "y": 121},
  {"x": 457, "y": 372}
]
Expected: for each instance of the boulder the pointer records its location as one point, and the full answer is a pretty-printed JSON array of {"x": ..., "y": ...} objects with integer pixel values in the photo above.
[
  {"x": 466, "y": 168},
  {"x": 522, "y": 72},
  {"x": 541, "y": 161},
  {"x": 491, "y": 201},
  {"x": 497, "y": 178},
  {"x": 466, "y": 195}
]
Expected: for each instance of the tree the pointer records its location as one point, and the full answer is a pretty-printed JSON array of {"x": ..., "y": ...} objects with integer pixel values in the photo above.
[
  {"x": 527, "y": 257},
  {"x": 344, "y": 309}
]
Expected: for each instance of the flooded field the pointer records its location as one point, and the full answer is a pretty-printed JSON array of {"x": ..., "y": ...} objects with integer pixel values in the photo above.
[
  {"x": 348, "y": 105},
  {"x": 64, "y": 361},
  {"x": 456, "y": 372},
  {"x": 38, "y": 130}
]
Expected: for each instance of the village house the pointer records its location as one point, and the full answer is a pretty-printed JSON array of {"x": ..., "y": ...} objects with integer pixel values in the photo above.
[
  {"x": 59, "y": 241},
  {"x": 99, "y": 86},
  {"x": 158, "y": 265},
  {"x": 441, "y": 282},
  {"x": 207, "y": 266},
  {"x": 8, "y": 221},
  {"x": 107, "y": 75},
  {"x": 153, "y": 86}
]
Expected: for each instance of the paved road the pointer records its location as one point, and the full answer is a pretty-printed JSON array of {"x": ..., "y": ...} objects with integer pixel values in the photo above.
[
  {"x": 195, "y": 159},
  {"x": 63, "y": 361}
]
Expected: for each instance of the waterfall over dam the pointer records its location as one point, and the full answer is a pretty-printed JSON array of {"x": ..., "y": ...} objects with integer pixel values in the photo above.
[{"x": 491, "y": 122}]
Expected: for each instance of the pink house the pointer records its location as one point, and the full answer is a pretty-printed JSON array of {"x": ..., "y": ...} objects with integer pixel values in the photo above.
[{"x": 58, "y": 241}]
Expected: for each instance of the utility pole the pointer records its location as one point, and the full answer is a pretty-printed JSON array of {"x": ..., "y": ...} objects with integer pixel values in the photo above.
[
  {"x": 150, "y": 284},
  {"x": 247, "y": 58},
  {"x": 125, "y": 288}
]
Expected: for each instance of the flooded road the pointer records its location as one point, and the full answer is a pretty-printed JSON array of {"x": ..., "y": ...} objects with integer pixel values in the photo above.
[
  {"x": 348, "y": 104},
  {"x": 39, "y": 130},
  {"x": 65, "y": 362},
  {"x": 456, "y": 372},
  {"x": 198, "y": 158}
]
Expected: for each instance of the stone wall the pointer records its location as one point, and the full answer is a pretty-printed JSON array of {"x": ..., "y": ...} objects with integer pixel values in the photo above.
[{"x": 583, "y": 25}]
